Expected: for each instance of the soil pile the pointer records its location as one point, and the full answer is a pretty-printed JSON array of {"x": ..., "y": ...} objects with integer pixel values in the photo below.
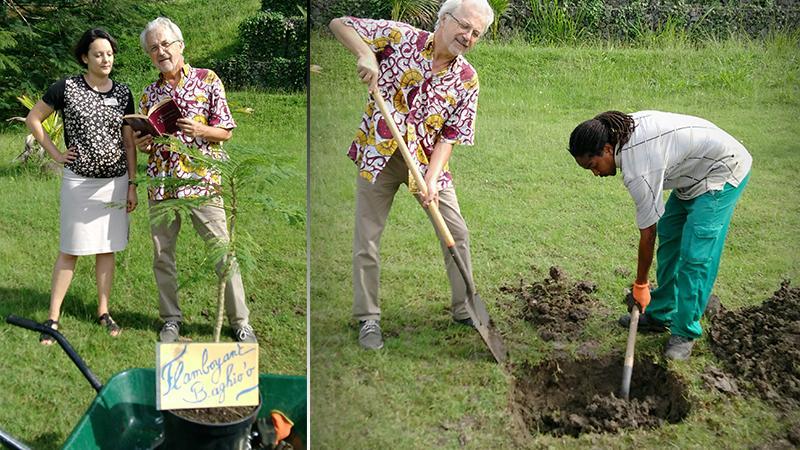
[
  {"x": 761, "y": 345},
  {"x": 557, "y": 306},
  {"x": 568, "y": 397}
]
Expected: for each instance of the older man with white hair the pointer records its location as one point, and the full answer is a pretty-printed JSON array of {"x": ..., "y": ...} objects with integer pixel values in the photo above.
[
  {"x": 206, "y": 124},
  {"x": 433, "y": 93}
]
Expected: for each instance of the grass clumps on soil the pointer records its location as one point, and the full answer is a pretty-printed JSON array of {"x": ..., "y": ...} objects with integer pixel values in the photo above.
[
  {"x": 761, "y": 345},
  {"x": 557, "y": 306}
]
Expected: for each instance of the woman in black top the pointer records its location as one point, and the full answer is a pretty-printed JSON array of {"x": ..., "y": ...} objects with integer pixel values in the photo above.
[{"x": 99, "y": 170}]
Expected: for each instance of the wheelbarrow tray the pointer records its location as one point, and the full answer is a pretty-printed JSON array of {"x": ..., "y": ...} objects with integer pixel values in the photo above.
[{"x": 124, "y": 415}]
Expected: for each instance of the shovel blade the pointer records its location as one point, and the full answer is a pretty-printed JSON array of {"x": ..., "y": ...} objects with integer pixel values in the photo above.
[{"x": 480, "y": 317}]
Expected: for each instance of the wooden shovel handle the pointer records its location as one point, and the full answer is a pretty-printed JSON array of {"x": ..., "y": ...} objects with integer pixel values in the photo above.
[
  {"x": 438, "y": 220},
  {"x": 627, "y": 366}
]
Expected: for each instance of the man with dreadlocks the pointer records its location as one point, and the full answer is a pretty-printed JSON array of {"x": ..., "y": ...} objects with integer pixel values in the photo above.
[{"x": 707, "y": 170}]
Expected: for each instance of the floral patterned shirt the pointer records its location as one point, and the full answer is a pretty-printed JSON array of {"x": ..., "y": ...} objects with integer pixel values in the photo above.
[
  {"x": 92, "y": 125},
  {"x": 426, "y": 106},
  {"x": 200, "y": 96}
]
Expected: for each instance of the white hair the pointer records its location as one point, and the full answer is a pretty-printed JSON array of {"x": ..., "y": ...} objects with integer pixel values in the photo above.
[
  {"x": 482, "y": 6},
  {"x": 160, "y": 22}
]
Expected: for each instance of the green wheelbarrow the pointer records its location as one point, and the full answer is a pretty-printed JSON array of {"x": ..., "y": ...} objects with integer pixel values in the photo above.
[{"x": 123, "y": 415}]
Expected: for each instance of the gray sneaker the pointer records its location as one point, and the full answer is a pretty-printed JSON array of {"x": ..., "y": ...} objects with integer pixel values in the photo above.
[
  {"x": 245, "y": 334},
  {"x": 678, "y": 348},
  {"x": 170, "y": 332},
  {"x": 369, "y": 334}
]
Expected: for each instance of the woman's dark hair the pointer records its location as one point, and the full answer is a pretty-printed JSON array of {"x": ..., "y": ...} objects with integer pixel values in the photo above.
[
  {"x": 82, "y": 47},
  {"x": 610, "y": 127}
]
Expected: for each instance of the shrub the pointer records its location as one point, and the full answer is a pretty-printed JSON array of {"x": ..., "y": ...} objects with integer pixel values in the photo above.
[
  {"x": 649, "y": 21},
  {"x": 321, "y": 12},
  {"x": 278, "y": 73},
  {"x": 288, "y": 8},
  {"x": 273, "y": 53},
  {"x": 271, "y": 34},
  {"x": 37, "y": 50}
]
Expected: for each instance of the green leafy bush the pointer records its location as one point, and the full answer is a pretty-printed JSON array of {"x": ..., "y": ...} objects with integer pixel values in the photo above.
[
  {"x": 271, "y": 34},
  {"x": 552, "y": 22},
  {"x": 37, "y": 37},
  {"x": 321, "y": 12},
  {"x": 635, "y": 21},
  {"x": 273, "y": 53},
  {"x": 277, "y": 73},
  {"x": 285, "y": 7},
  {"x": 419, "y": 13}
]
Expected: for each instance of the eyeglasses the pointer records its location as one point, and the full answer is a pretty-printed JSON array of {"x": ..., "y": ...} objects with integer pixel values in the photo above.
[
  {"x": 164, "y": 45},
  {"x": 466, "y": 27}
]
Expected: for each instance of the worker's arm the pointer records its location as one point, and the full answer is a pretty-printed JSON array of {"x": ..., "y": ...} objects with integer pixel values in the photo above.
[
  {"x": 366, "y": 62},
  {"x": 441, "y": 154},
  {"x": 641, "y": 287},
  {"x": 647, "y": 244}
]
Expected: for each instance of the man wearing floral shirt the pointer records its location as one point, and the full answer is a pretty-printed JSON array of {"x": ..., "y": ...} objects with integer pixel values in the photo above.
[
  {"x": 433, "y": 94},
  {"x": 206, "y": 124}
]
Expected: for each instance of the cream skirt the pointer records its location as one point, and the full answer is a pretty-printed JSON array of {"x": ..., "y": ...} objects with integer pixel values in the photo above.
[{"x": 93, "y": 216}]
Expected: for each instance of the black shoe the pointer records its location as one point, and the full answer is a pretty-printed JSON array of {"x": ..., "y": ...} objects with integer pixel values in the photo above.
[
  {"x": 467, "y": 321},
  {"x": 646, "y": 324}
]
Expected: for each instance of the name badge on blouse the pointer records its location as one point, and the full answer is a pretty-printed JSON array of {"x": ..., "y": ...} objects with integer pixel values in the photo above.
[{"x": 110, "y": 101}]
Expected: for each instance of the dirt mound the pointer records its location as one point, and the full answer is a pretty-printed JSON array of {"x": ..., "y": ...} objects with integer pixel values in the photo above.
[
  {"x": 570, "y": 397},
  {"x": 761, "y": 345},
  {"x": 557, "y": 306}
]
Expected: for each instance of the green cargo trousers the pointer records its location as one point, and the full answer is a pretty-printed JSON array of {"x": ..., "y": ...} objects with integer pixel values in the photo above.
[{"x": 691, "y": 234}]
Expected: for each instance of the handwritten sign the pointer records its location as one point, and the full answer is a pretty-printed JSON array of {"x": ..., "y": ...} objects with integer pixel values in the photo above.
[{"x": 206, "y": 375}]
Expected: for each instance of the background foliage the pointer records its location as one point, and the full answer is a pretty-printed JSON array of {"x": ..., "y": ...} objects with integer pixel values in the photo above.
[
  {"x": 559, "y": 21},
  {"x": 37, "y": 38},
  {"x": 273, "y": 49}
]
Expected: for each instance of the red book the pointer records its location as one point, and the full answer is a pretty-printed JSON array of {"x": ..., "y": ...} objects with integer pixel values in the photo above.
[{"x": 162, "y": 119}]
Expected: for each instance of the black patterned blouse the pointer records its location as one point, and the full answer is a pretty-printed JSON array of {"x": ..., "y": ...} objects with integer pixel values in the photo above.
[{"x": 92, "y": 125}]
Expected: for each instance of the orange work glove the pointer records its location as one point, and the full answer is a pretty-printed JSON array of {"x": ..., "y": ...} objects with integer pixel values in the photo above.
[
  {"x": 283, "y": 425},
  {"x": 641, "y": 295}
]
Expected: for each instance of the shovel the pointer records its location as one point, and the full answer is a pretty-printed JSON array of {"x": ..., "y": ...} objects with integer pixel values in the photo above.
[
  {"x": 627, "y": 367},
  {"x": 475, "y": 306}
]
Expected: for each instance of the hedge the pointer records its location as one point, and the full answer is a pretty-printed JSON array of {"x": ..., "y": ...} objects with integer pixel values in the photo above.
[
  {"x": 625, "y": 20},
  {"x": 273, "y": 51}
]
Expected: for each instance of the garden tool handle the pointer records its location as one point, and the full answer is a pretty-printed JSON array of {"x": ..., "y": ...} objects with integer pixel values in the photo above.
[
  {"x": 627, "y": 367},
  {"x": 438, "y": 220},
  {"x": 26, "y": 323},
  {"x": 62, "y": 341},
  {"x": 11, "y": 442}
]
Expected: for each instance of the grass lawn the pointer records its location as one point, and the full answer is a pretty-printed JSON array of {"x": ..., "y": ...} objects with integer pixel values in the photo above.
[
  {"x": 529, "y": 207},
  {"x": 43, "y": 393}
]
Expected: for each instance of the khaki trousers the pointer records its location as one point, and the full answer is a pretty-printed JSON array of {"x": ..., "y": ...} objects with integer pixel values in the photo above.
[
  {"x": 210, "y": 223},
  {"x": 373, "y": 202}
]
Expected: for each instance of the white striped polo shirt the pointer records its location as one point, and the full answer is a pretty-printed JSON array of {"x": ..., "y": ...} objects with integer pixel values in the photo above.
[{"x": 675, "y": 151}]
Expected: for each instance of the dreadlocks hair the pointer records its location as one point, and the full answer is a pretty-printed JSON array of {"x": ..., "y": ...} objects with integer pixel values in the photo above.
[{"x": 590, "y": 137}]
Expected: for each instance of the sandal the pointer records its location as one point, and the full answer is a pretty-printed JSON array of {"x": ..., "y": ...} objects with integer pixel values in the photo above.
[
  {"x": 113, "y": 329},
  {"x": 46, "y": 339}
]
